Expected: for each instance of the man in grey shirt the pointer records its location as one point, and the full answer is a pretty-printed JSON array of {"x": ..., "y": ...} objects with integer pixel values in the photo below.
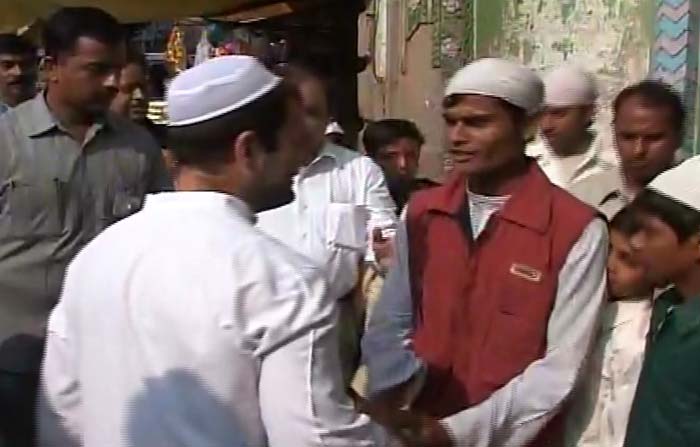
[{"x": 68, "y": 169}]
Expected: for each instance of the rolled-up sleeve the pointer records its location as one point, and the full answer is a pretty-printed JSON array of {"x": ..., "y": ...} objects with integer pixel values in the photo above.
[
  {"x": 387, "y": 346},
  {"x": 515, "y": 414},
  {"x": 381, "y": 207}
]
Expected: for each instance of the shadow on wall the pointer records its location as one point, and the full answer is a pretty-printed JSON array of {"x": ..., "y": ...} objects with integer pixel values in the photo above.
[{"x": 178, "y": 410}]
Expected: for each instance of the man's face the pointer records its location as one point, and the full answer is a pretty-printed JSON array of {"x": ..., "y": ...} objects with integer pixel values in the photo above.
[
  {"x": 18, "y": 75},
  {"x": 274, "y": 171},
  {"x": 131, "y": 100},
  {"x": 87, "y": 79},
  {"x": 627, "y": 276},
  {"x": 646, "y": 140},
  {"x": 399, "y": 161},
  {"x": 662, "y": 254},
  {"x": 315, "y": 111},
  {"x": 565, "y": 127},
  {"x": 483, "y": 135}
]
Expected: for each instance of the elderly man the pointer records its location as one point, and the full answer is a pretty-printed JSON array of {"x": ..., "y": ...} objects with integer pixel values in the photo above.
[
  {"x": 649, "y": 122},
  {"x": 488, "y": 315},
  {"x": 565, "y": 149}
]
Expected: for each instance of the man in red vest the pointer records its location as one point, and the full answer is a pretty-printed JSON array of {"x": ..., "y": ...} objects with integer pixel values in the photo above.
[{"x": 487, "y": 317}]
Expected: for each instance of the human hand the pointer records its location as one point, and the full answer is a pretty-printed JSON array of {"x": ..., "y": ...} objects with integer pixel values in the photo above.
[{"x": 383, "y": 248}]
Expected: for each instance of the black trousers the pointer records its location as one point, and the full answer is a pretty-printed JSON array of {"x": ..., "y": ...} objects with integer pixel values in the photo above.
[{"x": 18, "y": 397}]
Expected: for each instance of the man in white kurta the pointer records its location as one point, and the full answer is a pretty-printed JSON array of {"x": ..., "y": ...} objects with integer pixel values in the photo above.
[
  {"x": 187, "y": 326},
  {"x": 566, "y": 149}
]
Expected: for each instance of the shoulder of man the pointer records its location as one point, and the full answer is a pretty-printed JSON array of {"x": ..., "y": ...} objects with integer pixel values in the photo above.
[
  {"x": 599, "y": 187},
  {"x": 139, "y": 135}
]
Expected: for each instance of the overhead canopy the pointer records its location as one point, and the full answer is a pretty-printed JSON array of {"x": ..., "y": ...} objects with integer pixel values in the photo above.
[{"x": 19, "y": 13}]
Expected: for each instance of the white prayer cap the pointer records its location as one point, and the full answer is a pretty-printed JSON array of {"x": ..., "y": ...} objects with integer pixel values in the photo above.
[
  {"x": 498, "y": 78},
  {"x": 217, "y": 87},
  {"x": 334, "y": 127},
  {"x": 681, "y": 183},
  {"x": 569, "y": 86}
]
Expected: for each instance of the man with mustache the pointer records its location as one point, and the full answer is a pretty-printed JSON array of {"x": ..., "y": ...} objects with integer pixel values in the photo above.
[
  {"x": 499, "y": 277},
  {"x": 68, "y": 169},
  {"x": 18, "y": 71},
  {"x": 649, "y": 124}
]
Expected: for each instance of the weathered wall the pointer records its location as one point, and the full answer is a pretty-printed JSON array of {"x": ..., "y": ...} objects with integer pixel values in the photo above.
[{"x": 621, "y": 41}]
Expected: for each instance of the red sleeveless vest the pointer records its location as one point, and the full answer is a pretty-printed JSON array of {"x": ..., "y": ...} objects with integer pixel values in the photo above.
[{"x": 482, "y": 307}]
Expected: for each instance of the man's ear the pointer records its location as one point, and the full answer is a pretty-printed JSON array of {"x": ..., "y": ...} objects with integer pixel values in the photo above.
[
  {"x": 532, "y": 125},
  {"x": 246, "y": 148},
  {"x": 48, "y": 67},
  {"x": 591, "y": 112},
  {"x": 695, "y": 240}
]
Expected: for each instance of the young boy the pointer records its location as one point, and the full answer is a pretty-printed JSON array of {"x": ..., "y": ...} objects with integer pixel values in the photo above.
[
  {"x": 666, "y": 408},
  {"x": 601, "y": 405}
]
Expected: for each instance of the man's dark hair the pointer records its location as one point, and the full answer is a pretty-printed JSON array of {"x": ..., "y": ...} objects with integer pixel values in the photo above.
[
  {"x": 136, "y": 57},
  {"x": 383, "y": 133},
  {"x": 683, "y": 220},
  {"x": 65, "y": 27},
  {"x": 208, "y": 143},
  {"x": 656, "y": 94},
  {"x": 16, "y": 45},
  {"x": 626, "y": 221}
]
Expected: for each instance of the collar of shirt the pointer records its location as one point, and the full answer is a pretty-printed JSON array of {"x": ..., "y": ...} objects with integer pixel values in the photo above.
[
  {"x": 205, "y": 199},
  {"x": 545, "y": 156},
  {"x": 39, "y": 119},
  {"x": 684, "y": 312},
  {"x": 328, "y": 152}
]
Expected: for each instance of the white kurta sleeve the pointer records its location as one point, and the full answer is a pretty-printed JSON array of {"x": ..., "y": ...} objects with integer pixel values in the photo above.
[
  {"x": 515, "y": 414},
  {"x": 59, "y": 422},
  {"x": 387, "y": 346},
  {"x": 381, "y": 207},
  {"x": 303, "y": 401}
]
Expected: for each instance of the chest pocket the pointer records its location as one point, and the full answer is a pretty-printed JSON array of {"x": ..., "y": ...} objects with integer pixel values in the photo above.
[
  {"x": 120, "y": 204},
  {"x": 346, "y": 226},
  {"x": 31, "y": 209}
]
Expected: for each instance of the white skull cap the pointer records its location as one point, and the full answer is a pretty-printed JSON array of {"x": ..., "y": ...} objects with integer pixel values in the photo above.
[
  {"x": 569, "y": 86},
  {"x": 217, "y": 87},
  {"x": 509, "y": 81},
  {"x": 681, "y": 183}
]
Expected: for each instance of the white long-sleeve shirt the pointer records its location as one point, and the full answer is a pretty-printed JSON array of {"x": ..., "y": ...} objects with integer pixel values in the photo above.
[
  {"x": 602, "y": 402},
  {"x": 515, "y": 414},
  {"x": 184, "y": 325},
  {"x": 565, "y": 171},
  {"x": 340, "y": 198}
]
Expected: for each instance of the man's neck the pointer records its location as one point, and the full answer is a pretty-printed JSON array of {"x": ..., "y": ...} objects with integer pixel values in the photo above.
[
  {"x": 75, "y": 122},
  {"x": 579, "y": 147},
  {"x": 632, "y": 186},
  {"x": 500, "y": 183},
  {"x": 190, "y": 179},
  {"x": 689, "y": 287}
]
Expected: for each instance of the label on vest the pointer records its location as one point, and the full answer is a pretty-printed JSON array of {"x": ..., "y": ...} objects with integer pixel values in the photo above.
[{"x": 526, "y": 272}]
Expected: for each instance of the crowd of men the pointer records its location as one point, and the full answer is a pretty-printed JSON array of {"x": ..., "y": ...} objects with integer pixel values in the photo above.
[{"x": 254, "y": 285}]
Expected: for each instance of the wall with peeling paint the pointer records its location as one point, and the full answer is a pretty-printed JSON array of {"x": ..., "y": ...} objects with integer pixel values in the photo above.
[
  {"x": 611, "y": 38},
  {"x": 621, "y": 41}
]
